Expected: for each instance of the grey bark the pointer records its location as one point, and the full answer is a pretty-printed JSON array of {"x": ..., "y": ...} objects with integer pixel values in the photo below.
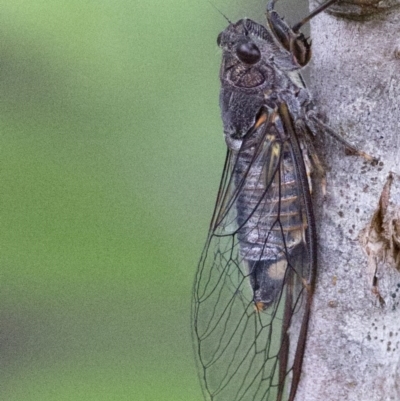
[{"x": 353, "y": 347}]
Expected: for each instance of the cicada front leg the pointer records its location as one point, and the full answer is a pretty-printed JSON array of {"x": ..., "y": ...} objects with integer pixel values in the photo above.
[{"x": 290, "y": 37}]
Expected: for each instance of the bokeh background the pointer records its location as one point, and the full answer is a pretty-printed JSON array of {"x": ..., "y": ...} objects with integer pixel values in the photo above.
[{"x": 111, "y": 154}]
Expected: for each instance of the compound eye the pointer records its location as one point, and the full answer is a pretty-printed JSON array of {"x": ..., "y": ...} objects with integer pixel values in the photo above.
[{"x": 248, "y": 52}]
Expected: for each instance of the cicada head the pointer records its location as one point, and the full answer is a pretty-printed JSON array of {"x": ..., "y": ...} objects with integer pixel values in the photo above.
[
  {"x": 247, "y": 74},
  {"x": 254, "y": 69}
]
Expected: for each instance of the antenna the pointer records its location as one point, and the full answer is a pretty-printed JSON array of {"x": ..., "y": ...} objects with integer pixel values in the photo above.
[{"x": 216, "y": 8}]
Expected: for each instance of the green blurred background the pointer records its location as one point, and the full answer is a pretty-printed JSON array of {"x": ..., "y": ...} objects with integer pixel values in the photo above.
[{"x": 111, "y": 154}]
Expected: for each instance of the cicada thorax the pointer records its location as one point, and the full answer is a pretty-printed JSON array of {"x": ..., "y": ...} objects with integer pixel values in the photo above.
[{"x": 270, "y": 224}]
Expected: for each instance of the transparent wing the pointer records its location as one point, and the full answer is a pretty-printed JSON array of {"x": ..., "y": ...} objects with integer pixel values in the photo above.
[{"x": 253, "y": 286}]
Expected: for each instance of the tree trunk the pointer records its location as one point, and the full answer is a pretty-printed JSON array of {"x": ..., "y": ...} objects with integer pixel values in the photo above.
[{"x": 353, "y": 347}]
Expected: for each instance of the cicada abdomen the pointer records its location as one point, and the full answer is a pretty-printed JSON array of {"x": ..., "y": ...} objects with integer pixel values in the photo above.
[{"x": 271, "y": 219}]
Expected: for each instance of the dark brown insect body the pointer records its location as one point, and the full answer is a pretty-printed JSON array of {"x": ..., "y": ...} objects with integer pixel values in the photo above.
[{"x": 255, "y": 279}]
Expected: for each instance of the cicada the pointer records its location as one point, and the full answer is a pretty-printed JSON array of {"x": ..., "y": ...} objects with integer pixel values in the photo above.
[{"x": 255, "y": 280}]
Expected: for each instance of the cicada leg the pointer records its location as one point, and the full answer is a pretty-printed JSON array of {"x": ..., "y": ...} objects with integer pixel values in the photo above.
[
  {"x": 291, "y": 40},
  {"x": 312, "y": 162},
  {"x": 290, "y": 37},
  {"x": 313, "y": 119}
]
